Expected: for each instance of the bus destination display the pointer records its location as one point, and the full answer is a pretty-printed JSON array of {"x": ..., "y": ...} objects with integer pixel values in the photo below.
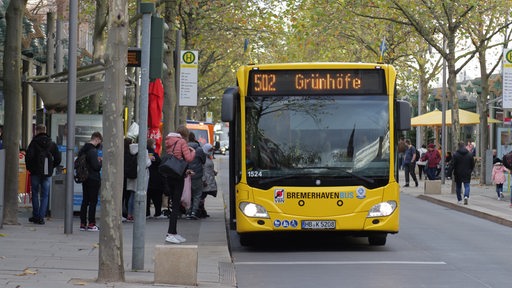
[{"x": 316, "y": 82}]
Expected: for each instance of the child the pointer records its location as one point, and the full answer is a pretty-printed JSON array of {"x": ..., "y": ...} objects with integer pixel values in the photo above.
[
  {"x": 498, "y": 178},
  {"x": 209, "y": 182}
]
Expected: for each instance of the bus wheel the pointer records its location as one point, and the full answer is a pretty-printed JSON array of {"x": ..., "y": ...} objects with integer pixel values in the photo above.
[{"x": 377, "y": 240}]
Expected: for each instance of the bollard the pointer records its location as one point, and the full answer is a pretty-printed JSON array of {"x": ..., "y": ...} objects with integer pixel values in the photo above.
[
  {"x": 432, "y": 187},
  {"x": 176, "y": 264}
]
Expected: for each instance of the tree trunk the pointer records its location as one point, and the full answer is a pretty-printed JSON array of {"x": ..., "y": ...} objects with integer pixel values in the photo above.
[
  {"x": 12, "y": 93},
  {"x": 452, "y": 92},
  {"x": 484, "y": 111},
  {"x": 423, "y": 87},
  {"x": 111, "y": 264},
  {"x": 100, "y": 22},
  {"x": 169, "y": 80}
]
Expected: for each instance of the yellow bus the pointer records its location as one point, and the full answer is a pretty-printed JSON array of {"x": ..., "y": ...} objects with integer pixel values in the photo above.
[{"x": 313, "y": 148}]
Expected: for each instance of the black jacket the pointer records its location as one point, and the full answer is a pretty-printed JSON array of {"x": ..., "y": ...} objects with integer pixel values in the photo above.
[
  {"x": 36, "y": 151},
  {"x": 93, "y": 164},
  {"x": 463, "y": 164},
  {"x": 156, "y": 179}
]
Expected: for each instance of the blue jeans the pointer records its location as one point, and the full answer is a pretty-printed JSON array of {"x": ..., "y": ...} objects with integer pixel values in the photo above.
[
  {"x": 40, "y": 190},
  {"x": 197, "y": 191},
  {"x": 431, "y": 173},
  {"x": 499, "y": 189},
  {"x": 458, "y": 190},
  {"x": 131, "y": 200}
]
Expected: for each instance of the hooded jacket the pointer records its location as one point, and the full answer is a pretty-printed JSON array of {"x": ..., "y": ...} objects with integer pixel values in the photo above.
[
  {"x": 36, "y": 151},
  {"x": 93, "y": 164},
  {"x": 498, "y": 173},
  {"x": 176, "y": 145},
  {"x": 463, "y": 165},
  {"x": 432, "y": 157},
  {"x": 197, "y": 164}
]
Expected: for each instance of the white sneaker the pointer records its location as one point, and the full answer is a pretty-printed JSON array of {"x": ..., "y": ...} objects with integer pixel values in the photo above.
[
  {"x": 172, "y": 239},
  {"x": 181, "y": 238},
  {"x": 93, "y": 228},
  {"x": 162, "y": 216}
]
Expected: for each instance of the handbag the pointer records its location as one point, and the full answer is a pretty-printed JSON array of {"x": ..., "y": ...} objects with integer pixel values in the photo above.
[
  {"x": 187, "y": 192},
  {"x": 172, "y": 166}
]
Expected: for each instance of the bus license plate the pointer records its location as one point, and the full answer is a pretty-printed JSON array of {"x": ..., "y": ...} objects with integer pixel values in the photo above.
[{"x": 326, "y": 224}]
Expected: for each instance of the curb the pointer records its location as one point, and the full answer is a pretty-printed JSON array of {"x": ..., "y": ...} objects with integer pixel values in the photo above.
[{"x": 467, "y": 210}]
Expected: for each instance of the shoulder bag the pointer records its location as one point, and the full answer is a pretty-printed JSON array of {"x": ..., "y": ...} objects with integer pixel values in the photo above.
[{"x": 172, "y": 166}]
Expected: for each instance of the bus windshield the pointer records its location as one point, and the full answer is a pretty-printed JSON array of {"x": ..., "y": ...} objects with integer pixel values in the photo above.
[{"x": 325, "y": 137}]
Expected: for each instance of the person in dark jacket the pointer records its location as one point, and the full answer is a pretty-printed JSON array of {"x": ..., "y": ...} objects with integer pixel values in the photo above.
[
  {"x": 197, "y": 177},
  {"x": 410, "y": 163},
  {"x": 209, "y": 182},
  {"x": 42, "y": 157},
  {"x": 463, "y": 165},
  {"x": 91, "y": 186},
  {"x": 156, "y": 184}
]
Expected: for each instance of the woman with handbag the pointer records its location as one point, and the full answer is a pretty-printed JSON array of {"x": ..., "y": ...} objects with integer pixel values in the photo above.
[{"x": 176, "y": 145}]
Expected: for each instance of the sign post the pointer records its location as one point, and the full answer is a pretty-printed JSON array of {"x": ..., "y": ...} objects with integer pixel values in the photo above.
[
  {"x": 507, "y": 79},
  {"x": 188, "y": 78}
]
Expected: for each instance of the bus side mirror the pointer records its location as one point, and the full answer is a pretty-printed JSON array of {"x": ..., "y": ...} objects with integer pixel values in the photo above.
[
  {"x": 228, "y": 104},
  {"x": 402, "y": 115}
]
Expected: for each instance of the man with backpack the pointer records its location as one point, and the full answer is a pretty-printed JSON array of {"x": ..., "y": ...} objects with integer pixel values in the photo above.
[
  {"x": 42, "y": 157},
  {"x": 410, "y": 163},
  {"x": 91, "y": 186}
]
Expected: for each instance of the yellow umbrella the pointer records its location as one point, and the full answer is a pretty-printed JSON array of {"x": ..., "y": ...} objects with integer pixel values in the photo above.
[{"x": 434, "y": 118}]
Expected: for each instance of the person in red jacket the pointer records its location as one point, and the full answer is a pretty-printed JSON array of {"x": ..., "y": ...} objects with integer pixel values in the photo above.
[
  {"x": 176, "y": 143},
  {"x": 433, "y": 158}
]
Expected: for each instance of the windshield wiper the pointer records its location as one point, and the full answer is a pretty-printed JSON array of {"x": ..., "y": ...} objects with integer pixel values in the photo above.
[
  {"x": 273, "y": 179},
  {"x": 279, "y": 178},
  {"x": 360, "y": 177}
]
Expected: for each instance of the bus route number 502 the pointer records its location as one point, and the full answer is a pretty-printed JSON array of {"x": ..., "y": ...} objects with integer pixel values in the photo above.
[{"x": 264, "y": 82}]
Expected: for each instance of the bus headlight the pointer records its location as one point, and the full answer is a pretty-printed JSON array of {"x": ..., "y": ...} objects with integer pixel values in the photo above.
[
  {"x": 253, "y": 210},
  {"x": 382, "y": 209}
]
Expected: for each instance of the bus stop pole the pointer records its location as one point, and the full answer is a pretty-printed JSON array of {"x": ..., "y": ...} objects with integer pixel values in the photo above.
[
  {"x": 72, "y": 64},
  {"x": 139, "y": 225},
  {"x": 2, "y": 185}
]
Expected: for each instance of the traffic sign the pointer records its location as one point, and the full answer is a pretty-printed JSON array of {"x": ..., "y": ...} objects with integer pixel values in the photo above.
[
  {"x": 188, "y": 78},
  {"x": 507, "y": 79}
]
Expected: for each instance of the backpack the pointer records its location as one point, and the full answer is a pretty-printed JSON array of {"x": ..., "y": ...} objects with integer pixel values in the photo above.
[
  {"x": 507, "y": 160},
  {"x": 46, "y": 160},
  {"x": 81, "y": 169},
  {"x": 417, "y": 155},
  {"x": 130, "y": 166}
]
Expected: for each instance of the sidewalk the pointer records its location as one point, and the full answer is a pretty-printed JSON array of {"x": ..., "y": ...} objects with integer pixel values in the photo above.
[
  {"x": 483, "y": 200},
  {"x": 42, "y": 256}
]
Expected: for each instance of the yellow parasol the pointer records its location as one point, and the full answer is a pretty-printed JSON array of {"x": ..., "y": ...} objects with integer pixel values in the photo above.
[{"x": 434, "y": 118}]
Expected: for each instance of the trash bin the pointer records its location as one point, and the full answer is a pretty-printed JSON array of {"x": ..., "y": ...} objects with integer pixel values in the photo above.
[{"x": 58, "y": 196}]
